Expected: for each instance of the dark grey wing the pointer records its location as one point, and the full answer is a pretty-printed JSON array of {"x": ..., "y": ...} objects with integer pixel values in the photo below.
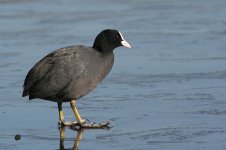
[
  {"x": 36, "y": 74},
  {"x": 52, "y": 74}
]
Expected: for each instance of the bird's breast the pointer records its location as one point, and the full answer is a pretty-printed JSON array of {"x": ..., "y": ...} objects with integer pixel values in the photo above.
[{"x": 95, "y": 70}]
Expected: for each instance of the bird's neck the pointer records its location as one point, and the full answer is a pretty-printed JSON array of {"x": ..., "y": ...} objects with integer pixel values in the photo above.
[{"x": 103, "y": 49}]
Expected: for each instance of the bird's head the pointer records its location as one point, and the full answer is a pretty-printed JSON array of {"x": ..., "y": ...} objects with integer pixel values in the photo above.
[{"x": 107, "y": 40}]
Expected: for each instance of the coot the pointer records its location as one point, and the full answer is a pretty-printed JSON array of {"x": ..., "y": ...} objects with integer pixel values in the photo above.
[{"x": 69, "y": 73}]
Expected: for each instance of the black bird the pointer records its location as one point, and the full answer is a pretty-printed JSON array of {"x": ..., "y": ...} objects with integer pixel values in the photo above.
[{"x": 69, "y": 73}]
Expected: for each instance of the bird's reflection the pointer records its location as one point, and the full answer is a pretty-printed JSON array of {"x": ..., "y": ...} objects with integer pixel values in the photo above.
[{"x": 76, "y": 141}]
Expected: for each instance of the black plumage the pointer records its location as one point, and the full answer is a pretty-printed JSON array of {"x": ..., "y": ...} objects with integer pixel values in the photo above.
[
  {"x": 68, "y": 73},
  {"x": 72, "y": 72}
]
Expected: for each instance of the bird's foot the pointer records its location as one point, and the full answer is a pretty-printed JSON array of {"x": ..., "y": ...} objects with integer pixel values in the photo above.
[
  {"x": 66, "y": 123},
  {"x": 85, "y": 123},
  {"x": 88, "y": 125},
  {"x": 72, "y": 123}
]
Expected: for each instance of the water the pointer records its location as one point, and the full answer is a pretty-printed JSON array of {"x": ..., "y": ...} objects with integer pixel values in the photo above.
[{"x": 167, "y": 92}]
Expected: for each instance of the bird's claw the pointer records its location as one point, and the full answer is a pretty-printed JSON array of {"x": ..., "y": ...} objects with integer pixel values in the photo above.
[
  {"x": 67, "y": 123},
  {"x": 104, "y": 125},
  {"x": 85, "y": 123}
]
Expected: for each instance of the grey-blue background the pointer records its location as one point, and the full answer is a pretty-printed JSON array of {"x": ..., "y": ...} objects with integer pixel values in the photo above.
[{"x": 166, "y": 93}]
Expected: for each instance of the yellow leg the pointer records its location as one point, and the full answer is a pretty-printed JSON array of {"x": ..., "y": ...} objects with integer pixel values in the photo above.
[
  {"x": 83, "y": 123},
  {"x": 75, "y": 110},
  {"x": 61, "y": 113},
  {"x": 61, "y": 117}
]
